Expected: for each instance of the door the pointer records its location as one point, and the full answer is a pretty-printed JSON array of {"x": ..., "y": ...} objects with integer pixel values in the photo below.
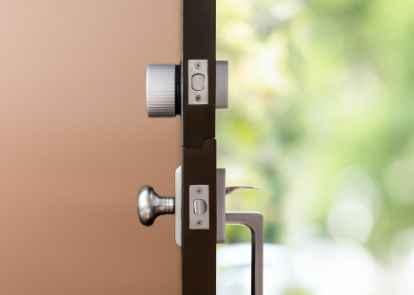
[
  {"x": 194, "y": 88},
  {"x": 76, "y": 146}
]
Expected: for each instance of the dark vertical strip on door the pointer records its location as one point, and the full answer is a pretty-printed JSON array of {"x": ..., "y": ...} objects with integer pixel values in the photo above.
[
  {"x": 199, "y": 42},
  {"x": 199, "y": 149},
  {"x": 199, "y": 246}
]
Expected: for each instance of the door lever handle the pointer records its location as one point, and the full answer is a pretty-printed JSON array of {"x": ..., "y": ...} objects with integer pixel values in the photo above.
[
  {"x": 253, "y": 221},
  {"x": 230, "y": 189},
  {"x": 151, "y": 205}
]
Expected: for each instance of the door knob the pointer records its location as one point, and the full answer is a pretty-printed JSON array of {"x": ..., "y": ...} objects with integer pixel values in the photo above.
[{"x": 151, "y": 205}]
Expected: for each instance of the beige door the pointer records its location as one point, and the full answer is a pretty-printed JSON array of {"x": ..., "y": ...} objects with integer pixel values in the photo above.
[{"x": 76, "y": 146}]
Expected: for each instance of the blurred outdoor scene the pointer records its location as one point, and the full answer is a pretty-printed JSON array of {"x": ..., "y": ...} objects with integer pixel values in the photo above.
[{"x": 321, "y": 118}]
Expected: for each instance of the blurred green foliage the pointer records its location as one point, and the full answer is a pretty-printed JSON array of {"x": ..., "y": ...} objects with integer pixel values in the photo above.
[{"x": 321, "y": 109}]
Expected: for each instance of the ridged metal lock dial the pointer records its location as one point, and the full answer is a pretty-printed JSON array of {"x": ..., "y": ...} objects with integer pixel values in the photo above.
[{"x": 163, "y": 95}]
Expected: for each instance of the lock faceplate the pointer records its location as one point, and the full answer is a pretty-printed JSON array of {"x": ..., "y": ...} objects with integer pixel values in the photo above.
[
  {"x": 199, "y": 199},
  {"x": 197, "y": 81}
]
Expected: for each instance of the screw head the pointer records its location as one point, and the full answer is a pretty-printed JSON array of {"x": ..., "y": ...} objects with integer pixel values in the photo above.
[
  {"x": 199, "y": 191},
  {"x": 198, "y": 98},
  {"x": 198, "y": 65},
  {"x": 199, "y": 222}
]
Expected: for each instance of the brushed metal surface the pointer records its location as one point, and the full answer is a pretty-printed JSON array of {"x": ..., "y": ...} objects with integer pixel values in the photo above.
[
  {"x": 199, "y": 192},
  {"x": 197, "y": 73},
  {"x": 161, "y": 92},
  {"x": 222, "y": 192},
  {"x": 222, "y": 77}
]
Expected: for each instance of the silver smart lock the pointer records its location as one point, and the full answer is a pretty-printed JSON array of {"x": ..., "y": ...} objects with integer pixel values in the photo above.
[{"x": 164, "y": 87}]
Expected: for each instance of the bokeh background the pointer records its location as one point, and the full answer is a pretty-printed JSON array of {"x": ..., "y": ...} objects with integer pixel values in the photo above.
[{"x": 321, "y": 118}]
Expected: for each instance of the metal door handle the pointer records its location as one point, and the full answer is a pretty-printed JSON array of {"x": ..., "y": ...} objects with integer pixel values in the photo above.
[
  {"x": 230, "y": 189},
  {"x": 253, "y": 221},
  {"x": 150, "y": 205}
]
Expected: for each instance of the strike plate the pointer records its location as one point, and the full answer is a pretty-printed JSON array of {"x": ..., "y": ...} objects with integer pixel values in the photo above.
[{"x": 199, "y": 207}]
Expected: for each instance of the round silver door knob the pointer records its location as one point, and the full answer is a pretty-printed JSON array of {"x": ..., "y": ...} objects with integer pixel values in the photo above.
[
  {"x": 163, "y": 90},
  {"x": 150, "y": 205}
]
